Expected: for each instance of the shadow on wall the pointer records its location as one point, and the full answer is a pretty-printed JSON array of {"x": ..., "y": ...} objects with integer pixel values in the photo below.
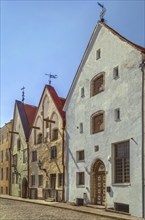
[{"x": 68, "y": 155}]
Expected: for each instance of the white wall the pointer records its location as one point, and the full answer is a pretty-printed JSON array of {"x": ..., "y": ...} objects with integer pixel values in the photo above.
[{"x": 124, "y": 93}]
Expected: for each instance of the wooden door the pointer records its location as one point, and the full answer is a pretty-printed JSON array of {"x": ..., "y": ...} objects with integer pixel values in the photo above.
[{"x": 100, "y": 191}]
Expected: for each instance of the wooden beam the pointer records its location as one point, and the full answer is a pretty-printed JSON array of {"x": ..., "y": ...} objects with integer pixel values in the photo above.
[
  {"x": 36, "y": 127},
  {"x": 51, "y": 121},
  {"x": 13, "y": 132}
]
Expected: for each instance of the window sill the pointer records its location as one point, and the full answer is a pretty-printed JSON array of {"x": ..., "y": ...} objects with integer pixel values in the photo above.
[
  {"x": 98, "y": 132},
  {"x": 121, "y": 184},
  {"x": 80, "y": 186},
  {"x": 80, "y": 161}
]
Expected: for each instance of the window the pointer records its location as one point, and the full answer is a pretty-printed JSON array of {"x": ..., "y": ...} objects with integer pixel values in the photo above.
[
  {"x": 80, "y": 178},
  {"x": 7, "y": 173},
  {"x": 97, "y": 122},
  {"x": 97, "y": 84},
  {"x": 60, "y": 179},
  {"x": 13, "y": 178},
  {"x": 122, "y": 162},
  {"x": 1, "y": 156},
  {"x": 53, "y": 152},
  {"x": 25, "y": 156},
  {"x": 2, "y": 139},
  {"x": 33, "y": 180},
  {"x": 116, "y": 73},
  {"x": 1, "y": 190},
  {"x": 7, "y": 136},
  {"x": 54, "y": 134},
  {"x": 82, "y": 92},
  {"x": 39, "y": 138},
  {"x": 15, "y": 160},
  {"x": 117, "y": 114},
  {"x": 2, "y": 174},
  {"x": 34, "y": 156},
  {"x": 81, "y": 128},
  {"x": 80, "y": 155},
  {"x": 7, "y": 190},
  {"x": 40, "y": 180},
  {"x": 18, "y": 144},
  {"x": 7, "y": 154},
  {"x": 98, "y": 54},
  {"x": 53, "y": 181}
]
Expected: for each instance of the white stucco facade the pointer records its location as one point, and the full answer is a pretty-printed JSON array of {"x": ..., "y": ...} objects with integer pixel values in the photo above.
[{"x": 124, "y": 93}]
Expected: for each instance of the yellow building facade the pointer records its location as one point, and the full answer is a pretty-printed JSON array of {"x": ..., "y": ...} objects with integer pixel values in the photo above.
[{"x": 5, "y": 143}]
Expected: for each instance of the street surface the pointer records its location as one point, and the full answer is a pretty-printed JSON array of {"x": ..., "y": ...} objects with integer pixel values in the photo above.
[{"x": 15, "y": 210}]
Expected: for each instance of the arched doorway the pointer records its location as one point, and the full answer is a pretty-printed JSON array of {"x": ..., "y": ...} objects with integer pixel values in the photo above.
[
  {"x": 98, "y": 183},
  {"x": 24, "y": 188}
]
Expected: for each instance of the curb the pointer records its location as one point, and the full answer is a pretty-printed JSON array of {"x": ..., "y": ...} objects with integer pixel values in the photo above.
[{"x": 69, "y": 208}]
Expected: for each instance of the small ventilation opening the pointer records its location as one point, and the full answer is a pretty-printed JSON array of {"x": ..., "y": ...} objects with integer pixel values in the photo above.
[
  {"x": 79, "y": 201},
  {"x": 121, "y": 207}
]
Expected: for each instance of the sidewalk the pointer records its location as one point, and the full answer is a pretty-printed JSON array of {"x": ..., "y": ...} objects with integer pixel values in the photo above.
[{"x": 84, "y": 209}]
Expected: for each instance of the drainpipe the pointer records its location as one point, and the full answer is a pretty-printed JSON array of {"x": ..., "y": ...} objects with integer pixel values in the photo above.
[
  {"x": 143, "y": 156},
  {"x": 63, "y": 163},
  {"x": 28, "y": 167}
]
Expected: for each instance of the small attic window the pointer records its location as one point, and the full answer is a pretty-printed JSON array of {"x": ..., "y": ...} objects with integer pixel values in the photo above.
[
  {"x": 98, "y": 54},
  {"x": 116, "y": 73},
  {"x": 82, "y": 92}
]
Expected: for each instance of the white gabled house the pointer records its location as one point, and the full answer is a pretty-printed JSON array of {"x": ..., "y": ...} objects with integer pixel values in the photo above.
[{"x": 105, "y": 125}]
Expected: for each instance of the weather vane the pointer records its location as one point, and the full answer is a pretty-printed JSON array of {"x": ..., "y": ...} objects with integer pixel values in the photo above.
[
  {"x": 102, "y": 13},
  {"x": 23, "y": 93},
  {"x": 51, "y": 76}
]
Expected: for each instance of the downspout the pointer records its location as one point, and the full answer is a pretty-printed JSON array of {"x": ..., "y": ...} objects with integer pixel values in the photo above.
[
  {"x": 28, "y": 168},
  {"x": 143, "y": 152},
  {"x": 63, "y": 163}
]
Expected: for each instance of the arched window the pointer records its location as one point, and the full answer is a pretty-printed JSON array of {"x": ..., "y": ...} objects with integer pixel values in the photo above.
[
  {"x": 97, "y": 122},
  {"x": 98, "y": 84}
]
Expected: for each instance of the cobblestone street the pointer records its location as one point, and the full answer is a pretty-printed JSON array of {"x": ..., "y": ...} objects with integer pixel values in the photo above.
[{"x": 15, "y": 210}]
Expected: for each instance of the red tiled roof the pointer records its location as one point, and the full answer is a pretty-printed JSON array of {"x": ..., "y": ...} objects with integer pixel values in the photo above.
[
  {"x": 30, "y": 112},
  {"x": 59, "y": 102},
  {"x": 142, "y": 49}
]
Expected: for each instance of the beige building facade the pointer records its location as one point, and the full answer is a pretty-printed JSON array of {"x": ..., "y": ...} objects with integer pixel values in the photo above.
[
  {"x": 22, "y": 122},
  {"x": 5, "y": 143},
  {"x": 47, "y": 148}
]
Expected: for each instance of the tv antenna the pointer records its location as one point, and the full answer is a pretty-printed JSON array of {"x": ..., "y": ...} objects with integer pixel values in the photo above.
[
  {"x": 23, "y": 93},
  {"x": 102, "y": 13},
  {"x": 51, "y": 76}
]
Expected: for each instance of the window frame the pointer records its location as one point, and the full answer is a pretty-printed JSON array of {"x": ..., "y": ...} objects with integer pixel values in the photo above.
[
  {"x": 93, "y": 117},
  {"x": 60, "y": 179},
  {"x": 78, "y": 155},
  {"x": 32, "y": 180},
  {"x": 53, "y": 152},
  {"x": 34, "y": 156},
  {"x": 40, "y": 181},
  {"x": 123, "y": 143},
  {"x": 80, "y": 182},
  {"x": 93, "y": 90}
]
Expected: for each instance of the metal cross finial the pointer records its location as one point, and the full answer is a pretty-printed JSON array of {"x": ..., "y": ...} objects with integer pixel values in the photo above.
[
  {"x": 51, "y": 76},
  {"x": 102, "y": 13},
  {"x": 23, "y": 93}
]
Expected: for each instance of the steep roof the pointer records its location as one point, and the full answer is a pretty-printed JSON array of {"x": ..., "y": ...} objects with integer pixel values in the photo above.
[
  {"x": 86, "y": 54},
  {"x": 27, "y": 114},
  {"x": 142, "y": 49},
  {"x": 59, "y": 102}
]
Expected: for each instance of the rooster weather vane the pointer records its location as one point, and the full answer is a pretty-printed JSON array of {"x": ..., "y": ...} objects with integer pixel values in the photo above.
[
  {"x": 51, "y": 76},
  {"x": 102, "y": 13}
]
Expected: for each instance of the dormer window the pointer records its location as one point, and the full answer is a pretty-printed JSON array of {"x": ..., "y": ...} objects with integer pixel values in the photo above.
[{"x": 98, "y": 54}]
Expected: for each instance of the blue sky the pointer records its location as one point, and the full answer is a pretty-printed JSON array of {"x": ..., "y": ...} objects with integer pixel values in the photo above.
[{"x": 39, "y": 37}]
